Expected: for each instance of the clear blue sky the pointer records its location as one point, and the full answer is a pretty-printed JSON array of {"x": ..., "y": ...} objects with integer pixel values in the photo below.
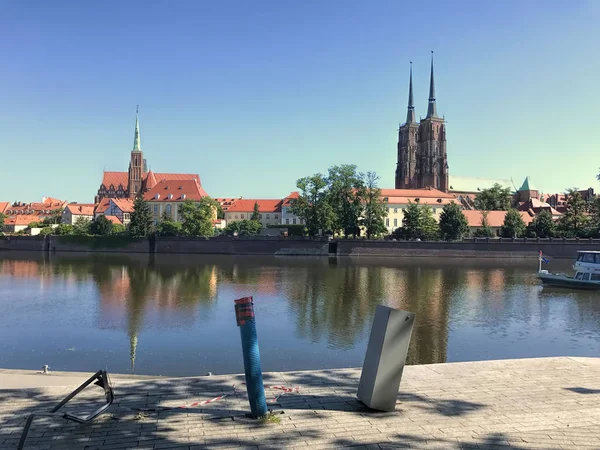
[{"x": 253, "y": 95}]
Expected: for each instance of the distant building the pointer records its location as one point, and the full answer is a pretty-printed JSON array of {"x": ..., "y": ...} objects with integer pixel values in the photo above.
[
  {"x": 495, "y": 219},
  {"x": 32, "y": 212},
  {"x": 167, "y": 195},
  {"x": 74, "y": 211},
  {"x": 242, "y": 209},
  {"x": 287, "y": 217},
  {"x": 137, "y": 179},
  {"x": 465, "y": 189},
  {"x": 397, "y": 201},
  {"x": 422, "y": 156},
  {"x": 121, "y": 208}
]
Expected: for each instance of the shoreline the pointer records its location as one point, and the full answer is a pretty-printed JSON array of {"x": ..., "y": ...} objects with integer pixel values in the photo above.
[{"x": 278, "y": 246}]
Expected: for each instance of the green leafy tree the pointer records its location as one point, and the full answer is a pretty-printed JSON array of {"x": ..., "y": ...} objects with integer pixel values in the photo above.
[
  {"x": 543, "y": 225},
  {"x": 220, "y": 212},
  {"x": 513, "y": 226},
  {"x": 312, "y": 204},
  {"x": 453, "y": 223},
  {"x": 141, "y": 223},
  {"x": 346, "y": 193},
  {"x": 101, "y": 226},
  {"x": 82, "y": 226},
  {"x": 243, "y": 228},
  {"x": 255, "y": 213},
  {"x": 34, "y": 225},
  {"x": 63, "y": 229},
  {"x": 495, "y": 198},
  {"x": 594, "y": 217},
  {"x": 118, "y": 228},
  {"x": 197, "y": 217},
  {"x": 418, "y": 223},
  {"x": 374, "y": 207},
  {"x": 54, "y": 217},
  {"x": 485, "y": 230},
  {"x": 46, "y": 231},
  {"x": 574, "y": 221},
  {"x": 168, "y": 227}
]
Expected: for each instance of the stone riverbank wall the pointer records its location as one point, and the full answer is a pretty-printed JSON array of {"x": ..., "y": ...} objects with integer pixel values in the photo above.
[{"x": 473, "y": 248}]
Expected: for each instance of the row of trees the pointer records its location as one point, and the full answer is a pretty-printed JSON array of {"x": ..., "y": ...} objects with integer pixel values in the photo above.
[{"x": 341, "y": 202}]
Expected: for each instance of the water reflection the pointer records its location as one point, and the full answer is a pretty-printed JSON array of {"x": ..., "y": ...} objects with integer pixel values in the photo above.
[{"x": 313, "y": 312}]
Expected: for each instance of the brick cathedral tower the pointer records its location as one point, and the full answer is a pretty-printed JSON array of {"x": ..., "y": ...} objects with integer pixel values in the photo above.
[
  {"x": 136, "y": 164},
  {"x": 422, "y": 157}
]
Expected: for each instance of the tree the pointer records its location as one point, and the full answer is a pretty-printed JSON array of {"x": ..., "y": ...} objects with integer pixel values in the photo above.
[
  {"x": 141, "y": 223},
  {"x": 374, "y": 207},
  {"x": 2, "y": 219},
  {"x": 495, "y": 198},
  {"x": 101, "y": 226},
  {"x": 513, "y": 225},
  {"x": 543, "y": 225},
  {"x": 453, "y": 223},
  {"x": 418, "y": 223},
  {"x": 574, "y": 221},
  {"x": 485, "y": 230},
  {"x": 220, "y": 212},
  {"x": 243, "y": 228},
  {"x": 167, "y": 226},
  {"x": 81, "y": 226},
  {"x": 118, "y": 228},
  {"x": 255, "y": 213},
  {"x": 54, "y": 217},
  {"x": 346, "y": 191},
  {"x": 197, "y": 217},
  {"x": 46, "y": 231},
  {"x": 312, "y": 205},
  {"x": 63, "y": 229},
  {"x": 594, "y": 218}
]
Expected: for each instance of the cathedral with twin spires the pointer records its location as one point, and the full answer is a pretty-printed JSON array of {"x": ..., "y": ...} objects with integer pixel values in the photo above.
[{"x": 422, "y": 158}]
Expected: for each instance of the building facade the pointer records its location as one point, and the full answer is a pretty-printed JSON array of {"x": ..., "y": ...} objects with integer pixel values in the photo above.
[
  {"x": 168, "y": 195},
  {"x": 422, "y": 156},
  {"x": 75, "y": 210}
]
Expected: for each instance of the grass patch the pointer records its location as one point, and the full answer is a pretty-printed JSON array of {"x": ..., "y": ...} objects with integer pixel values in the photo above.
[{"x": 270, "y": 418}]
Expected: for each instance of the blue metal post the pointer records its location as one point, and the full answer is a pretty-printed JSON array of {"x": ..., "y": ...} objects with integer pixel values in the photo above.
[{"x": 244, "y": 313}]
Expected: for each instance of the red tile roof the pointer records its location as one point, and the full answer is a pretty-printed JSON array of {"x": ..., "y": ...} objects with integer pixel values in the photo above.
[
  {"x": 124, "y": 204},
  {"x": 81, "y": 209},
  {"x": 102, "y": 207},
  {"x": 178, "y": 190},
  {"x": 494, "y": 218},
  {"x": 3, "y": 206},
  {"x": 264, "y": 205},
  {"x": 415, "y": 193},
  {"x": 288, "y": 200},
  {"x": 22, "y": 220},
  {"x": 114, "y": 219},
  {"x": 122, "y": 178},
  {"x": 150, "y": 180}
]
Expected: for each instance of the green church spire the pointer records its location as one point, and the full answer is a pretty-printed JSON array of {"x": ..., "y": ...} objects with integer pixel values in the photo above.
[{"x": 136, "y": 140}]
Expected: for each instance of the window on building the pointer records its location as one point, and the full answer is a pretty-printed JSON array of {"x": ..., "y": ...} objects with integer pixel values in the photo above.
[
  {"x": 260, "y": 216},
  {"x": 287, "y": 221},
  {"x": 294, "y": 221},
  {"x": 387, "y": 222},
  {"x": 241, "y": 216},
  {"x": 268, "y": 216},
  {"x": 156, "y": 209},
  {"x": 236, "y": 216},
  {"x": 395, "y": 210},
  {"x": 168, "y": 209},
  {"x": 395, "y": 222},
  {"x": 277, "y": 216}
]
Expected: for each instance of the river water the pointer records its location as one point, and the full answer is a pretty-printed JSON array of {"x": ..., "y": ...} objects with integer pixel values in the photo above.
[{"x": 173, "y": 315}]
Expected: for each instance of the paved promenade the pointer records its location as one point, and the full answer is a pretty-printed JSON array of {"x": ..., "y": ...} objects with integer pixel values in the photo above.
[{"x": 549, "y": 403}]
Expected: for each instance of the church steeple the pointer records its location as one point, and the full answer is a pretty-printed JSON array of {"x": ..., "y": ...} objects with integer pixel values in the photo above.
[
  {"x": 410, "y": 115},
  {"x": 431, "y": 108},
  {"x": 136, "y": 140}
]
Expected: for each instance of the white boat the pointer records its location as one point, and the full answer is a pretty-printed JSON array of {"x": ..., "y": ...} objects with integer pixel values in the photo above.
[{"x": 587, "y": 273}]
